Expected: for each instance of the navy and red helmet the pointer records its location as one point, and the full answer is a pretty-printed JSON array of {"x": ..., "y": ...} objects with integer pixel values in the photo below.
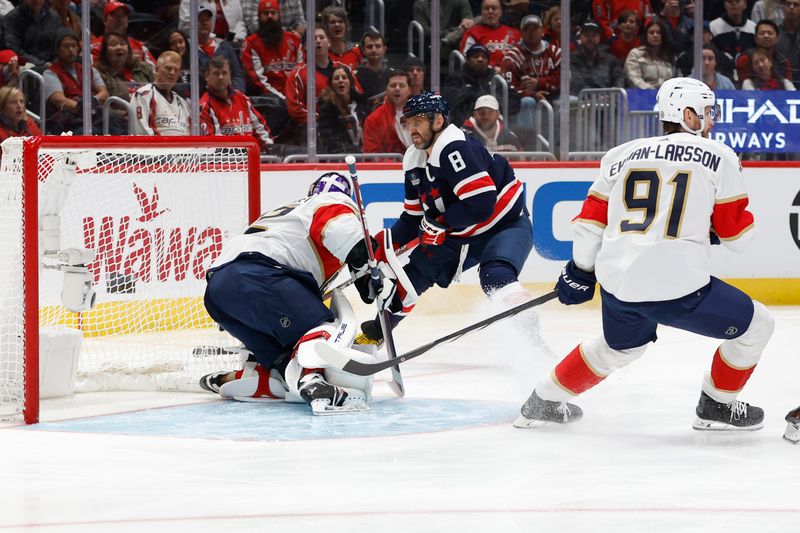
[{"x": 426, "y": 104}]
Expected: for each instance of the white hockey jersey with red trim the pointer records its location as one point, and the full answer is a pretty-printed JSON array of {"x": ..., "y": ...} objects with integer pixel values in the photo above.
[
  {"x": 645, "y": 224},
  {"x": 314, "y": 234}
]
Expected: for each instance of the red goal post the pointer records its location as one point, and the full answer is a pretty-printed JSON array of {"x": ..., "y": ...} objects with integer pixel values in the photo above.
[{"x": 155, "y": 212}]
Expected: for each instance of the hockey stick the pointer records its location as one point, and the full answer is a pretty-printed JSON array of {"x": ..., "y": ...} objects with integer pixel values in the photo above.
[
  {"x": 405, "y": 249},
  {"x": 386, "y": 326},
  {"x": 340, "y": 359}
]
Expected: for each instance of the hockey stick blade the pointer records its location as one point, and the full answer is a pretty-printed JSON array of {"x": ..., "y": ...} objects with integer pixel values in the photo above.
[{"x": 339, "y": 358}]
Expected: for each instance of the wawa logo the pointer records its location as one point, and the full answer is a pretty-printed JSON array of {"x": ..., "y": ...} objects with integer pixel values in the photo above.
[{"x": 142, "y": 247}]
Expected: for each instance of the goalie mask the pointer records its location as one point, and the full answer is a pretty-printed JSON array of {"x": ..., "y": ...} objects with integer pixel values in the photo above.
[{"x": 331, "y": 182}]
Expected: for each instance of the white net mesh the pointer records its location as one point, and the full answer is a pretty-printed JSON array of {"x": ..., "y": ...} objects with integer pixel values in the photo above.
[{"x": 156, "y": 219}]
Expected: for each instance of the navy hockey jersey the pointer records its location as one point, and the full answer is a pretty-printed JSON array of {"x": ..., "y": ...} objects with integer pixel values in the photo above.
[{"x": 474, "y": 191}]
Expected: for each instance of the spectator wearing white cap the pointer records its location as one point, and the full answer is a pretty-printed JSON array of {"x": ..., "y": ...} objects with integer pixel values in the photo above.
[
  {"x": 116, "y": 19},
  {"x": 487, "y": 126}
]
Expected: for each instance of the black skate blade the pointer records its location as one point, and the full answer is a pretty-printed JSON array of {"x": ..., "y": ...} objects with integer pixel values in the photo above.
[{"x": 710, "y": 425}]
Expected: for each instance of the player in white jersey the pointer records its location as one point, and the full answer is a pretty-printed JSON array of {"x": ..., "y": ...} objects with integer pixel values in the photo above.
[
  {"x": 644, "y": 233},
  {"x": 265, "y": 290}
]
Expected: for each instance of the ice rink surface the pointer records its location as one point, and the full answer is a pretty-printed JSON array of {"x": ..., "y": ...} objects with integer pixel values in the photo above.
[{"x": 444, "y": 459}]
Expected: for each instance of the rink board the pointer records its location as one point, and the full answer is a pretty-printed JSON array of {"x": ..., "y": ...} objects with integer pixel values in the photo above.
[
  {"x": 279, "y": 421},
  {"x": 769, "y": 270}
]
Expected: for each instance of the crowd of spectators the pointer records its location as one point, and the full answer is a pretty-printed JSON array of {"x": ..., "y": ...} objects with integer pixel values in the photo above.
[{"x": 254, "y": 73}]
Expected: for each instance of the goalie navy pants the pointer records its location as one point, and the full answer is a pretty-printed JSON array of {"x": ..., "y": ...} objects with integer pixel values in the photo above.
[{"x": 265, "y": 305}]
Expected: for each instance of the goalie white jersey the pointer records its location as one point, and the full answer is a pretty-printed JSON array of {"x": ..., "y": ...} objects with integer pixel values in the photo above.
[
  {"x": 314, "y": 234},
  {"x": 645, "y": 224}
]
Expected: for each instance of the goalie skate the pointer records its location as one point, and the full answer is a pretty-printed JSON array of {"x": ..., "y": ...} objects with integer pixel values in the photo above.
[
  {"x": 537, "y": 412},
  {"x": 212, "y": 382},
  {"x": 792, "y": 433},
  {"x": 327, "y": 399},
  {"x": 735, "y": 416}
]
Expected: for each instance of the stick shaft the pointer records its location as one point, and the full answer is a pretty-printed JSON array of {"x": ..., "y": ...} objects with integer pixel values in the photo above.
[
  {"x": 366, "y": 369},
  {"x": 384, "y": 316}
]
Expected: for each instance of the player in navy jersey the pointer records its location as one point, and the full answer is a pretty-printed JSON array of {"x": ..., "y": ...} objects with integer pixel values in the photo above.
[{"x": 465, "y": 205}]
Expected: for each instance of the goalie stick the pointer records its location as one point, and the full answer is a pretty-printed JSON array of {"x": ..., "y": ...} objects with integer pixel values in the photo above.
[
  {"x": 340, "y": 359},
  {"x": 384, "y": 316}
]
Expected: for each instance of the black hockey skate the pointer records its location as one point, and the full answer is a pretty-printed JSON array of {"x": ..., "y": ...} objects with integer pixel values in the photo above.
[
  {"x": 212, "y": 382},
  {"x": 735, "y": 416},
  {"x": 327, "y": 399},
  {"x": 371, "y": 333},
  {"x": 792, "y": 433},
  {"x": 537, "y": 412}
]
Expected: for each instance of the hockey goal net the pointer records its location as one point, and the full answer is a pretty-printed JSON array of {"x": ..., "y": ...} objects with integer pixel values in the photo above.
[{"x": 155, "y": 212}]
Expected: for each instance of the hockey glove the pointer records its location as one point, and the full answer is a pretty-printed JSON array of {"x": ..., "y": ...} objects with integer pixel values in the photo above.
[
  {"x": 575, "y": 286},
  {"x": 432, "y": 230}
]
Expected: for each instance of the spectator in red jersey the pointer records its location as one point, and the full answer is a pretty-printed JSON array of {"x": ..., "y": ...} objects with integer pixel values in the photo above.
[
  {"x": 532, "y": 67},
  {"x": 497, "y": 38},
  {"x": 228, "y": 19},
  {"x": 764, "y": 77},
  {"x": 373, "y": 75},
  {"x": 269, "y": 56},
  {"x": 335, "y": 22},
  {"x": 648, "y": 66},
  {"x": 383, "y": 131},
  {"x": 733, "y": 34},
  {"x": 63, "y": 88},
  {"x": 296, "y": 82},
  {"x": 679, "y": 26},
  {"x": 116, "y": 20},
  {"x": 14, "y": 119},
  {"x": 342, "y": 111},
  {"x": 767, "y": 41},
  {"x": 227, "y": 111},
  {"x": 606, "y": 11},
  {"x": 416, "y": 73},
  {"x": 486, "y": 125},
  {"x": 627, "y": 35},
  {"x": 9, "y": 68}
]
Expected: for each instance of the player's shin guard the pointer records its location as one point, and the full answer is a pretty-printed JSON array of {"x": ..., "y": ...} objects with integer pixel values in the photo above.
[
  {"x": 583, "y": 368},
  {"x": 736, "y": 359}
]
